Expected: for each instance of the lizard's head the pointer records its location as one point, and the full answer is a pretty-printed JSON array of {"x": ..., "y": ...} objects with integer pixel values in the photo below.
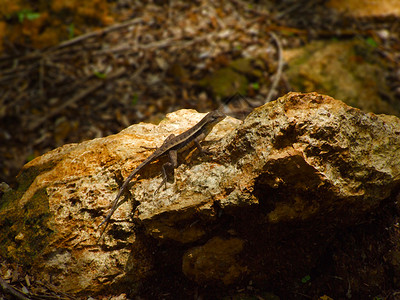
[{"x": 216, "y": 116}]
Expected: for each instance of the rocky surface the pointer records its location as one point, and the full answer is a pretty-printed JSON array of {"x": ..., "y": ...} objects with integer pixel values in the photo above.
[{"x": 264, "y": 208}]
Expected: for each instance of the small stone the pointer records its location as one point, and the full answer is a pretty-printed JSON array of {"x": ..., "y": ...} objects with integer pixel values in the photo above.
[
  {"x": 383, "y": 34},
  {"x": 19, "y": 237}
]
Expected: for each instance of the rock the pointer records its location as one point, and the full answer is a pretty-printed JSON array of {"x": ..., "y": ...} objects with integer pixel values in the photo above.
[
  {"x": 215, "y": 261},
  {"x": 365, "y": 8},
  {"x": 349, "y": 71},
  {"x": 51, "y": 222},
  {"x": 264, "y": 207}
]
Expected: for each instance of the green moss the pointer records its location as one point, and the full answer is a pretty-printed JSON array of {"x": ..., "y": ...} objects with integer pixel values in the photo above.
[
  {"x": 226, "y": 82},
  {"x": 349, "y": 71},
  {"x": 243, "y": 65},
  {"x": 26, "y": 178},
  {"x": 7, "y": 198},
  {"x": 24, "y": 232},
  {"x": 252, "y": 68}
]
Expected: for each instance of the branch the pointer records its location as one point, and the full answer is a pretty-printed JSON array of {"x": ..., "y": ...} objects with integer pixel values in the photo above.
[{"x": 278, "y": 74}]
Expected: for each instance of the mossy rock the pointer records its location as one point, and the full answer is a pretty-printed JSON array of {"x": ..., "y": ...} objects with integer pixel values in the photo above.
[
  {"x": 348, "y": 71},
  {"x": 24, "y": 231},
  {"x": 250, "y": 67},
  {"x": 225, "y": 82}
]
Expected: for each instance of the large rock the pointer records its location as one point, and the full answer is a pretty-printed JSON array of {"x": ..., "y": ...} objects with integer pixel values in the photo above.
[
  {"x": 263, "y": 207},
  {"x": 346, "y": 70}
]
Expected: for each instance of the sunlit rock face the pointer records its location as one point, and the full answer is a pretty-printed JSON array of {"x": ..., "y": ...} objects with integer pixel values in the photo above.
[{"x": 263, "y": 207}]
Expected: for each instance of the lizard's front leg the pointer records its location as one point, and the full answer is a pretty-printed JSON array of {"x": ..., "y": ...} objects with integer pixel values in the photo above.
[
  {"x": 198, "y": 146},
  {"x": 168, "y": 168}
]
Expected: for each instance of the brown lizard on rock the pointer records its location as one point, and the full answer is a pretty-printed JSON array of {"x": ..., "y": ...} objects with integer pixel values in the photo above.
[{"x": 171, "y": 147}]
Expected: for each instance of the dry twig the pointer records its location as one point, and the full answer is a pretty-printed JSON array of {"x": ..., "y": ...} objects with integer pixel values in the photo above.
[
  {"x": 278, "y": 74},
  {"x": 74, "y": 99},
  {"x": 11, "y": 290},
  {"x": 95, "y": 33}
]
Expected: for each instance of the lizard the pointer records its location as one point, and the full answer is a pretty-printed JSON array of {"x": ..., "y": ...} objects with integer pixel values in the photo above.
[{"x": 171, "y": 146}]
